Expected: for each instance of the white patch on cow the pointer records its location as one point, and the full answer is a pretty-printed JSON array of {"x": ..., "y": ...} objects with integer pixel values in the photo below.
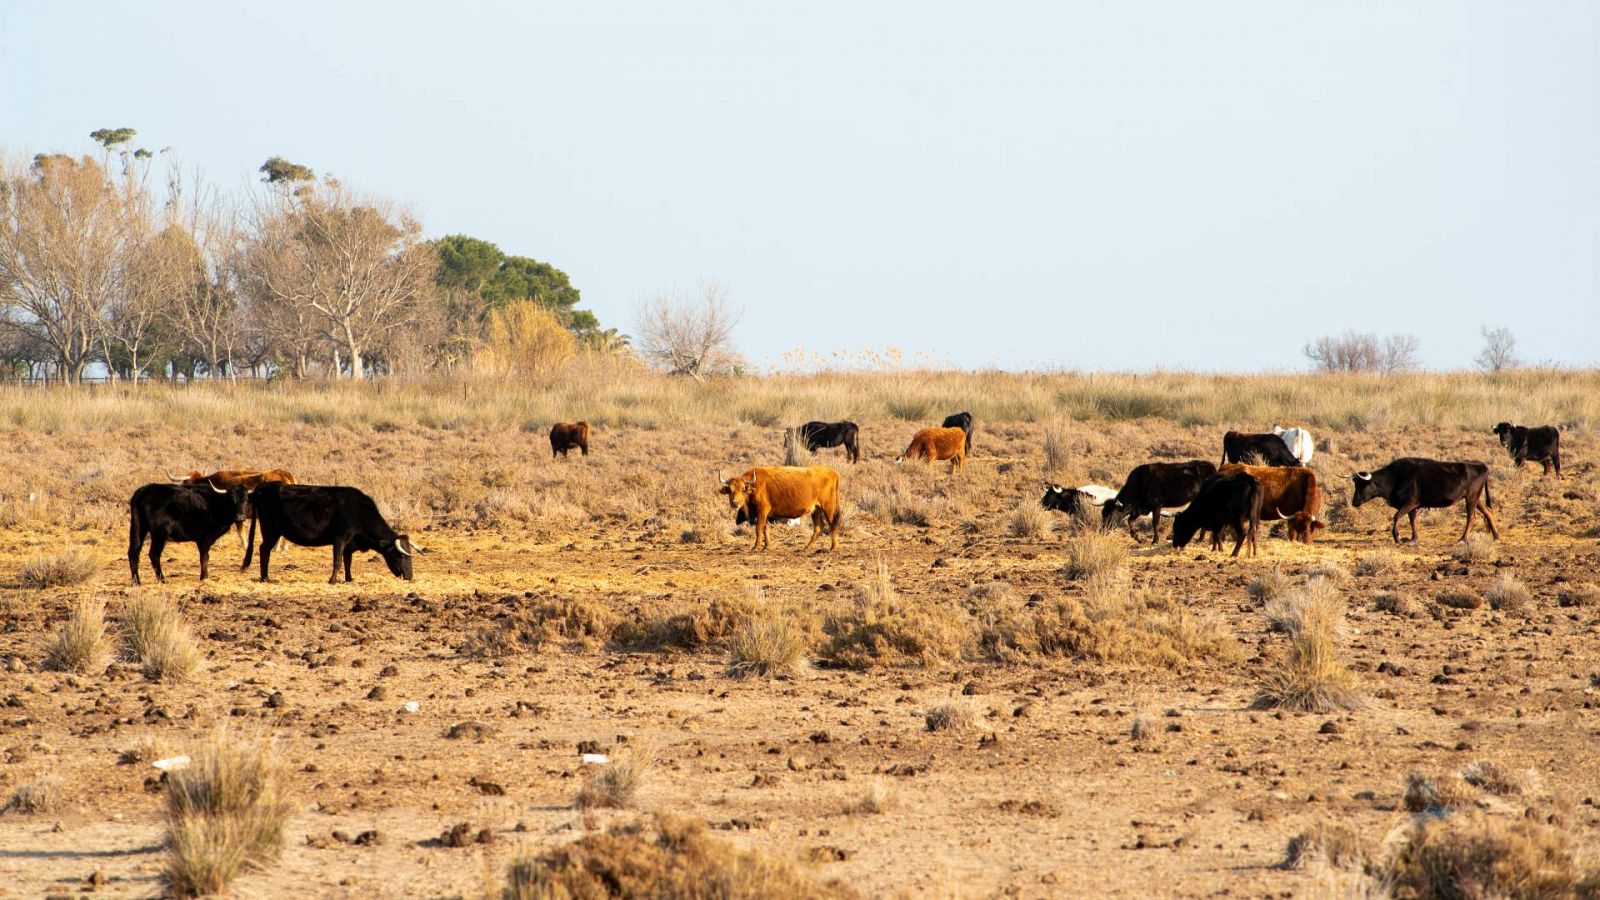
[
  {"x": 1098, "y": 494},
  {"x": 1299, "y": 442}
]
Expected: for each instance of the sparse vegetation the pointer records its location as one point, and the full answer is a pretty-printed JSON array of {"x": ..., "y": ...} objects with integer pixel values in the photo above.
[
  {"x": 81, "y": 645},
  {"x": 1377, "y": 562},
  {"x": 618, "y": 783},
  {"x": 1309, "y": 676},
  {"x": 955, "y": 715},
  {"x": 881, "y": 628},
  {"x": 1092, "y": 553},
  {"x": 225, "y": 813},
  {"x": 1269, "y": 586},
  {"x": 1478, "y": 548},
  {"x": 154, "y": 635},
  {"x": 1508, "y": 595},
  {"x": 62, "y": 569},
  {"x": 1329, "y": 842},
  {"x": 1474, "y": 855},
  {"x": 874, "y": 799},
  {"x": 42, "y": 796},
  {"x": 1029, "y": 521},
  {"x": 767, "y": 641}
]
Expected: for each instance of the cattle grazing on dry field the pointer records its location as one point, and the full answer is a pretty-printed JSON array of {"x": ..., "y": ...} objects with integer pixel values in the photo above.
[
  {"x": 181, "y": 513},
  {"x": 323, "y": 515},
  {"x": 1231, "y": 501},
  {"x": 1411, "y": 483},
  {"x": 1152, "y": 487},
  {"x": 787, "y": 492},
  {"x": 566, "y": 435},
  {"x": 1289, "y": 493},
  {"x": 1299, "y": 442},
  {"x": 963, "y": 421},
  {"x": 1075, "y": 501},
  {"x": 1541, "y": 443},
  {"x": 937, "y": 444},
  {"x": 818, "y": 435},
  {"x": 1263, "y": 449},
  {"x": 249, "y": 479}
]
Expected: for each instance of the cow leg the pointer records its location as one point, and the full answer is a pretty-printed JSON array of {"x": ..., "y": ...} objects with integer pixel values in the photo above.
[
  {"x": 1414, "y": 511},
  {"x": 1487, "y": 518},
  {"x": 816, "y": 527},
  {"x": 1394, "y": 526},
  {"x": 1238, "y": 542},
  {"x": 338, "y": 553},
  {"x": 349, "y": 554},
  {"x": 205, "y": 558},
  {"x": 1555, "y": 458},
  {"x": 1155, "y": 527},
  {"x": 1546, "y": 463},
  {"x": 158, "y": 542},
  {"x": 135, "y": 544},
  {"x": 1471, "y": 504},
  {"x": 761, "y": 529},
  {"x": 268, "y": 541}
]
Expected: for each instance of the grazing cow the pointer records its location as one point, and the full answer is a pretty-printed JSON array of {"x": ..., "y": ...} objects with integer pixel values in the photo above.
[
  {"x": 1228, "y": 501},
  {"x": 321, "y": 515},
  {"x": 1075, "y": 501},
  {"x": 1268, "y": 449},
  {"x": 1152, "y": 486},
  {"x": 830, "y": 434},
  {"x": 1409, "y": 484},
  {"x": 249, "y": 479},
  {"x": 963, "y": 421},
  {"x": 787, "y": 492},
  {"x": 938, "y": 443},
  {"x": 184, "y": 513},
  {"x": 1287, "y": 492},
  {"x": 566, "y": 435},
  {"x": 1299, "y": 442},
  {"x": 1542, "y": 444}
]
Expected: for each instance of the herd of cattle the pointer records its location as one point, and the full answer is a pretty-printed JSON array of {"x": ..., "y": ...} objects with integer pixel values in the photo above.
[{"x": 1261, "y": 476}]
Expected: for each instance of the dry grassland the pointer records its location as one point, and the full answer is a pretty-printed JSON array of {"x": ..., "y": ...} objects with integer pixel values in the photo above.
[{"x": 968, "y": 699}]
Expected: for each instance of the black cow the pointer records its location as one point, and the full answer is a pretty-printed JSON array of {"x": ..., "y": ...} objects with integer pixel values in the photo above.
[
  {"x": 832, "y": 434},
  {"x": 1410, "y": 484},
  {"x": 1071, "y": 501},
  {"x": 1268, "y": 448},
  {"x": 319, "y": 515},
  {"x": 963, "y": 421},
  {"x": 1227, "y": 501},
  {"x": 184, "y": 513},
  {"x": 1152, "y": 487},
  {"x": 1542, "y": 444}
]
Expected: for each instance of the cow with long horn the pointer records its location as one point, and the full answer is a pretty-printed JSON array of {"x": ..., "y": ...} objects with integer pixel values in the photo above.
[
  {"x": 183, "y": 513},
  {"x": 327, "y": 515}
]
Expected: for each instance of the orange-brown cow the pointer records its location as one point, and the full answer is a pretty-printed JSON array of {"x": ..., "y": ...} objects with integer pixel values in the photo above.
[
  {"x": 250, "y": 479},
  {"x": 788, "y": 492},
  {"x": 938, "y": 443},
  {"x": 1287, "y": 492},
  {"x": 566, "y": 435}
]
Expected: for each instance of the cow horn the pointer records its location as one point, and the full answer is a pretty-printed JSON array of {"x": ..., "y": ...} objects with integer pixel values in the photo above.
[
  {"x": 215, "y": 488},
  {"x": 401, "y": 546},
  {"x": 1364, "y": 476},
  {"x": 175, "y": 479}
]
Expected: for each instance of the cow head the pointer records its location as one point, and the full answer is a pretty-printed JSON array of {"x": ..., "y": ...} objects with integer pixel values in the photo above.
[
  {"x": 397, "y": 554},
  {"x": 1061, "y": 499},
  {"x": 1366, "y": 488},
  {"x": 1185, "y": 525},
  {"x": 1113, "y": 513},
  {"x": 240, "y": 498},
  {"x": 738, "y": 490},
  {"x": 1503, "y": 430},
  {"x": 1303, "y": 528}
]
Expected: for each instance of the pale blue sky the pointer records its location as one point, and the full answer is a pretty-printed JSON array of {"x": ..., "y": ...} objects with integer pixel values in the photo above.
[{"x": 1075, "y": 185}]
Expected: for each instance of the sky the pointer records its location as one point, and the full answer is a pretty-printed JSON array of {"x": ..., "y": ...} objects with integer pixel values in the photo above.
[{"x": 1054, "y": 185}]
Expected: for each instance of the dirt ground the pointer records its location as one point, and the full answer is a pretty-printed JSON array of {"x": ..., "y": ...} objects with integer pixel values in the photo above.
[{"x": 1047, "y": 796}]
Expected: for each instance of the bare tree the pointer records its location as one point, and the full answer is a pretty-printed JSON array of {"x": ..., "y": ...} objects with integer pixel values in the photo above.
[
  {"x": 1363, "y": 352},
  {"x": 352, "y": 269},
  {"x": 690, "y": 336},
  {"x": 1499, "y": 350}
]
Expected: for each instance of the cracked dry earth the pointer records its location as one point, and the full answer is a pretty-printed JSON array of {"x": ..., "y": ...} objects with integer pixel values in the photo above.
[{"x": 1046, "y": 796}]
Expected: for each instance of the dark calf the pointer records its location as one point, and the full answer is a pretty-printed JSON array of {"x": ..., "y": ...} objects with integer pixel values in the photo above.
[
  {"x": 1231, "y": 501},
  {"x": 1542, "y": 444},
  {"x": 832, "y": 434}
]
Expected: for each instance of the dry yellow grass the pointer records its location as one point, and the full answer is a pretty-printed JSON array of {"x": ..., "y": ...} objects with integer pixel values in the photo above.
[
  {"x": 155, "y": 636},
  {"x": 81, "y": 644},
  {"x": 767, "y": 641},
  {"x": 62, "y": 569},
  {"x": 618, "y": 783},
  {"x": 225, "y": 814},
  {"x": 1092, "y": 553},
  {"x": 1309, "y": 676},
  {"x": 42, "y": 796}
]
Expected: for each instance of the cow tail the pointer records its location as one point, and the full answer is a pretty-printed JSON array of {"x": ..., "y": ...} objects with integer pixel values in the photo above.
[
  {"x": 1488, "y": 499},
  {"x": 135, "y": 537}
]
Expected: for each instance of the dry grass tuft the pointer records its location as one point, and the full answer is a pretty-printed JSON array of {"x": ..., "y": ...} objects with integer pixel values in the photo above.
[
  {"x": 147, "y": 749},
  {"x": 767, "y": 641},
  {"x": 1473, "y": 855},
  {"x": 81, "y": 645},
  {"x": 43, "y": 796},
  {"x": 1578, "y": 596},
  {"x": 1114, "y": 623},
  {"x": 874, "y": 800},
  {"x": 62, "y": 569},
  {"x": 1269, "y": 586},
  {"x": 579, "y": 622},
  {"x": 1144, "y": 729},
  {"x": 1029, "y": 521},
  {"x": 618, "y": 783},
  {"x": 1326, "y": 842},
  {"x": 883, "y": 628},
  {"x": 1309, "y": 677},
  {"x": 670, "y": 858},
  {"x": 1438, "y": 793},
  {"x": 1092, "y": 553},
  {"x": 225, "y": 814},
  {"x": 1509, "y": 595},
  {"x": 1398, "y": 604},
  {"x": 1477, "y": 548},
  {"x": 1327, "y": 570},
  {"x": 154, "y": 635},
  {"x": 1502, "y": 782},
  {"x": 1056, "y": 452},
  {"x": 692, "y": 627},
  {"x": 1377, "y": 562},
  {"x": 957, "y": 715},
  {"x": 1459, "y": 598}
]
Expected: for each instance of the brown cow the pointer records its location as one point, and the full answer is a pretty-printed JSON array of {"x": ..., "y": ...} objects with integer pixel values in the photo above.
[
  {"x": 249, "y": 479},
  {"x": 566, "y": 435},
  {"x": 938, "y": 443},
  {"x": 1287, "y": 492},
  {"x": 788, "y": 492}
]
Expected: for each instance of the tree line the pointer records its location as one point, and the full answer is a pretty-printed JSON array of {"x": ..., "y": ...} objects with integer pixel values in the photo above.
[{"x": 107, "y": 267}]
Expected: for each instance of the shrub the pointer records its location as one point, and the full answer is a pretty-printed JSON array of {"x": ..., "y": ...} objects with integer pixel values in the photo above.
[
  {"x": 1091, "y": 553},
  {"x": 766, "y": 641},
  {"x": 1056, "y": 451},
  {"x": 1309, "y": 677},
  {"x": 1440, "y": 793},
  {"x": 1508, "y": 594},
  {"x": 1477, "y": 548},
  {"x": 81, "y": 645},
  {"x": 225, "y": 814},
  {"x": 882, "y": 628},
  {"x": 153, "y": 634},
  {"x": 957, "y": 715},
  {"x": 1459, "y": 598},
  {"x": 1377, "y": 562},
  {"x": 1332, "y": 843},
  {"x": 1472, "y": 855},
  {"x": 1269, "y": 586},
  {"x": 691, "y": 627},
  {"x": 34, "y": 797},
  {"x": 669, "y": 858},
  {"x": 1113, "y": 623},
  {"x": 1398, "y": 604},
  {"x": 617, "y": 784},
  {"x": 1029, "y": 521},
  {"x": 1488, "y": 776},
  {"x": 56, "y": 570},
  {"x": 1577, "y": 596}
]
